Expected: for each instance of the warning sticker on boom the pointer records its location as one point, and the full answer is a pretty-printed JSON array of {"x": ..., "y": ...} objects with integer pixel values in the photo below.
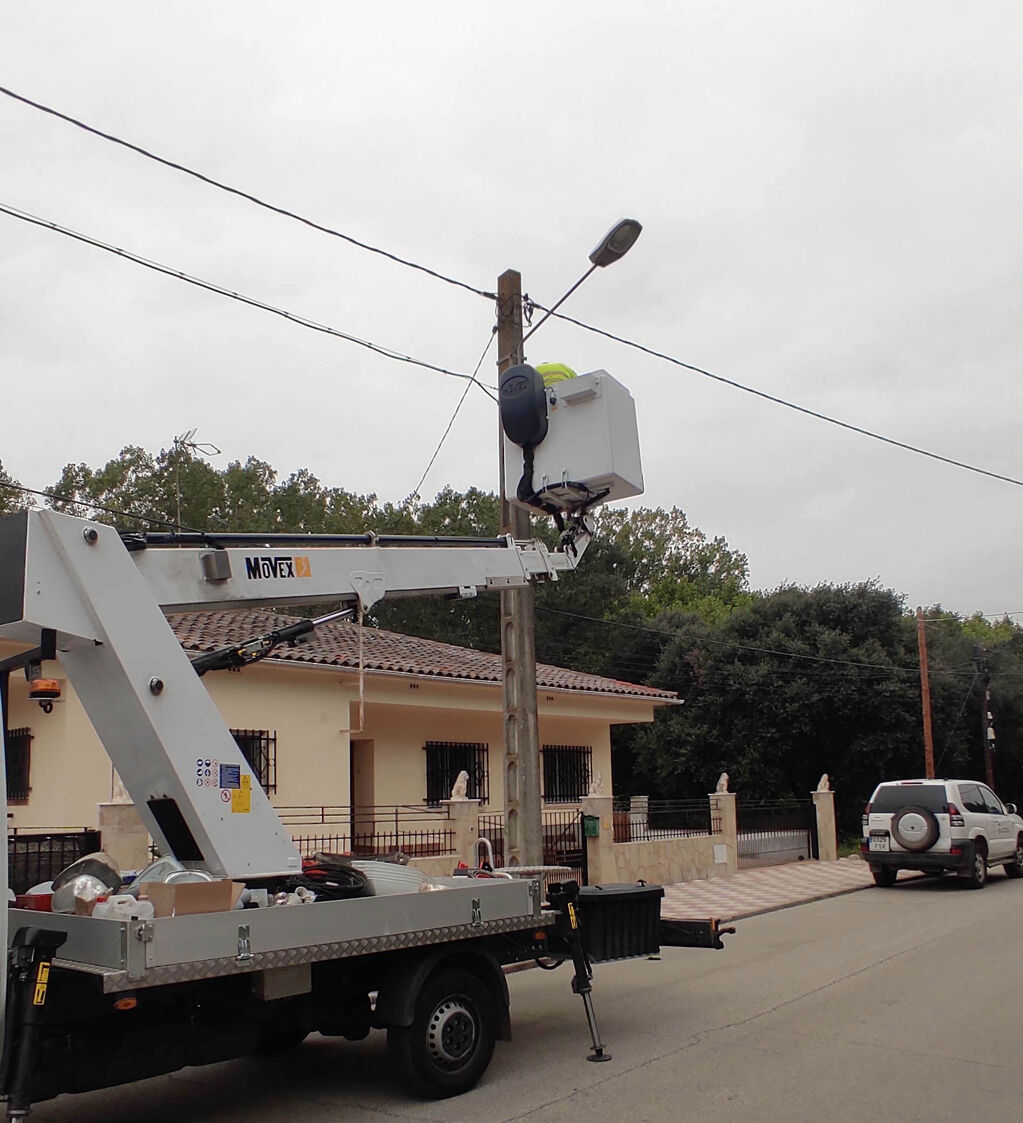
[{"x": 241, "y": 797}]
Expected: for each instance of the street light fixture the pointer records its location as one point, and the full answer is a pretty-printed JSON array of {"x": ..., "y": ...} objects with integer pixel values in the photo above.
[{"x": 615, "y": 244}]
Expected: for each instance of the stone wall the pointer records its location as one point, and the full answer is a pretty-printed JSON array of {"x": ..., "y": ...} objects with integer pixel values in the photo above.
[
  {"x": 670, "y": 860},
  {"x": 661, "y": 861}
]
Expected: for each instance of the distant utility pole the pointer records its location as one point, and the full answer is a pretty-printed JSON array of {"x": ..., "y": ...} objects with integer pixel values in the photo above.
[
  {"x": 987, "y": 727},
  {"x": 925, "y": 695},
  {"x": 523, "y": 839}
]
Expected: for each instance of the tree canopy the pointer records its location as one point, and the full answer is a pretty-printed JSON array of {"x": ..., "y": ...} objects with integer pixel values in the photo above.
[{"x": 11, "y": 499}]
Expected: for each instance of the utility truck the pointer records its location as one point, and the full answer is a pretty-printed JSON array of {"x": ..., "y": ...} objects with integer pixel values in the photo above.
[{"x": 95, "y": 1001}]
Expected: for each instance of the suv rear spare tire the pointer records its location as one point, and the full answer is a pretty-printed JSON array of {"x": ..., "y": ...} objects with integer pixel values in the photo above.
[{"x": 915, "y": 828}]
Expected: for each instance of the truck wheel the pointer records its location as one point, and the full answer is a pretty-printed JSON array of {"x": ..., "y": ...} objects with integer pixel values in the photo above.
[
  {"x": 449, "y": 1044},
  {"x": 884, "y": 876},
  {"x": 1015, "y": 867},
  {"x": 975, "y": 875}
]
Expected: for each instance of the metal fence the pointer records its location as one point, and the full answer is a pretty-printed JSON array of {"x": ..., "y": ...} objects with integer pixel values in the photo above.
[
  {"x": 563, "y": 843},
  {"x": 771, "y": 833},
  {"x": 35, "y": 856},
  {"x": 369, "y": 831},
  {"x": 637, "y": 819},
  {"x": 414, "y": 844}
]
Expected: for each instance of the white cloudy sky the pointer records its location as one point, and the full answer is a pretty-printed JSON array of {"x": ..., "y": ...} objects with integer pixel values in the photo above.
[{"x": 830, "y": 196}]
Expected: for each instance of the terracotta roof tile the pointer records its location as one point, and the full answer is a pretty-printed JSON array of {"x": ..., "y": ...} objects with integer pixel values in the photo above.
[{"x": 337, "y": 645}]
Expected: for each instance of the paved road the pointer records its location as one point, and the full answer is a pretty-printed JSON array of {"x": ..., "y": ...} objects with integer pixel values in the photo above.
[{"x": 885, "y": 1004}]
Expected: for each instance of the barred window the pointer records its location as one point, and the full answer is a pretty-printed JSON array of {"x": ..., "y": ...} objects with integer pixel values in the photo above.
[
  {"x": 259, "y": 747},
  {"x": 19, "y": 750},
  {"x": 566, "y": 772},
  {"x": 444, "y": 761}
]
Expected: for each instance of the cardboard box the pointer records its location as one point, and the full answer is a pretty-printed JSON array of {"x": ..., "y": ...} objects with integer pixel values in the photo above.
[{"x": 191, "y": 897}]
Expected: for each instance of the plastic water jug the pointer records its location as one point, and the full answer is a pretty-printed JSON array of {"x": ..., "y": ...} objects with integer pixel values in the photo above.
[{"x": 123, "y": 906}]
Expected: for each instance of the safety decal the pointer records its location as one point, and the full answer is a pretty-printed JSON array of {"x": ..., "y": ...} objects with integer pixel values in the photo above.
[{"x": 241, "y": 798}]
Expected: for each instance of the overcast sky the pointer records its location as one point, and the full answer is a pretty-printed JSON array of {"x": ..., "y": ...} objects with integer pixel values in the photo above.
[{"x": 831, "y": 199}]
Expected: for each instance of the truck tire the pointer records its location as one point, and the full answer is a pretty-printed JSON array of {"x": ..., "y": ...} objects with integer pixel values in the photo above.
[
  {"x": 1015, "y": 867},
  {"x": 449, "y": 1044},
  {"x": 975, "y": 875},
  {"x": 884, "y": 876}
]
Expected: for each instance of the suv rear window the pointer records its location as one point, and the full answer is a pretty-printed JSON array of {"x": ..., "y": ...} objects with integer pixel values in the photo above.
[{"x": 891, "y": 797}]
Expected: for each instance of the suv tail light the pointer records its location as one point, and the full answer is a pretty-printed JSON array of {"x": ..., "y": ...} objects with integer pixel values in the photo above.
[
  {"x": 955, "y": 816},
  {"x": 866, "y": 818}
]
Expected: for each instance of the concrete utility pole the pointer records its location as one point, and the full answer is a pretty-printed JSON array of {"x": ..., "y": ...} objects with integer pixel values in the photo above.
[
  {"x": 925, "y": 695},
  {"x": 987, "y": 728},
  {"x": 523, "y": 836},
  {"x": 523, "y": 830}
]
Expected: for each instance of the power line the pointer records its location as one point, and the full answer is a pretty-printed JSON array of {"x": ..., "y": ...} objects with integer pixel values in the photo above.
[
  {"x": 956, "y": 619},
  {"x": 955, "y": 724},
  {"x": 458, "y": 407},
  {"x": 210, "y": 286},
  {"x": 780, "y": 401},
  {"x": 93, "y": 505},
  {"x": 243, "y": 194}
]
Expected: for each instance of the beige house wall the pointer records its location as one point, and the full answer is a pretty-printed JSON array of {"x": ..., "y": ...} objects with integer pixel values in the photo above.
[{"x": 315, "y": 713}]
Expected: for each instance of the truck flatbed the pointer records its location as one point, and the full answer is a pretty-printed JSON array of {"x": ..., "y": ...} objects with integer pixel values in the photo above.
[{"x": 130, "y": 954}]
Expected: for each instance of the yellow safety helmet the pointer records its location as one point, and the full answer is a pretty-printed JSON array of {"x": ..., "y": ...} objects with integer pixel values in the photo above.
[{"x": 555, "y": 372}]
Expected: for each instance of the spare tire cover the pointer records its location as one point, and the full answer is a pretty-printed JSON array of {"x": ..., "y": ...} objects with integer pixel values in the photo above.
[{"x": 915, "y": 828}]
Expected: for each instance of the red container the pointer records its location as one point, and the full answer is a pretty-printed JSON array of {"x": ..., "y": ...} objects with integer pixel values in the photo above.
[{"x": 38, "y": 902}]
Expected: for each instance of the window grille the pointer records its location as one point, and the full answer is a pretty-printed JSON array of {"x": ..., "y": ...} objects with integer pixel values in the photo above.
[
  {"x": 567, "y": 770},
  {"x": 445, "y": 759},
  {"x": 19, "y": 751},
  {"x": 259, "y": 747}
]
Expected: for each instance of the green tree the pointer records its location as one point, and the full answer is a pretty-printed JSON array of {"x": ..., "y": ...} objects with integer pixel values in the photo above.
[
  {"x": 11, "y": 499},
  {"x": 642, "y": 564},
  {"x": 796, "y": 683}
]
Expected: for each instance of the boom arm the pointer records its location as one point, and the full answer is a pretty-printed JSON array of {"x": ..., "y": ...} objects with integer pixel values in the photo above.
[{"x": 105, "y": 599}]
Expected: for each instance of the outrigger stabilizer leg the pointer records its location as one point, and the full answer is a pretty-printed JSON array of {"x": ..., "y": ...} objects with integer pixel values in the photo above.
[
  {"x": 28, "y": 975},
  {"x": 563, "y": 897}
]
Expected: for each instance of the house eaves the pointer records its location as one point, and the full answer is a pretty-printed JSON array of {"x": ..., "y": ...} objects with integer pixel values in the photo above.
[{"x": 341, "y": 647}]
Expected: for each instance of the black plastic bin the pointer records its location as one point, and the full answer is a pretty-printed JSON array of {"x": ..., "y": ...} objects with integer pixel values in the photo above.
[{"x": 621, "y": 921}]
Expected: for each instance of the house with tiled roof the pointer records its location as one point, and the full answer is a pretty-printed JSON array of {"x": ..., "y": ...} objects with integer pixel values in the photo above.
[{"x": 350, "y": 718}]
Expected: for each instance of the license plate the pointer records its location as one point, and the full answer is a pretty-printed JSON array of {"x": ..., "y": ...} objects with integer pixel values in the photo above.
[{"x": 880, "y": 842}]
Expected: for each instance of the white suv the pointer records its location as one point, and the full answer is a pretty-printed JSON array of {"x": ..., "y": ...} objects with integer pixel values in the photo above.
[{"x": 938, "y": 825}]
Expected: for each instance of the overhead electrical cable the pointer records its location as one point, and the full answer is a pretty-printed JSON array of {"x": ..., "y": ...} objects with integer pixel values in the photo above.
[
  {"x": 955, "y": 724},
  {"x": 244, "y": 194},
  {"x": 461, "y": 400},
  {"x": 210, "y": 286},
  {"x": 780, "y": 401},
  {"x": 83, "y": 501}
]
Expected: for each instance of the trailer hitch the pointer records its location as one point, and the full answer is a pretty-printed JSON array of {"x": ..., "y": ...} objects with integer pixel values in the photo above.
[
  {"x": 28, "y": 977},
  {"x": 563, "y": 897}
]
